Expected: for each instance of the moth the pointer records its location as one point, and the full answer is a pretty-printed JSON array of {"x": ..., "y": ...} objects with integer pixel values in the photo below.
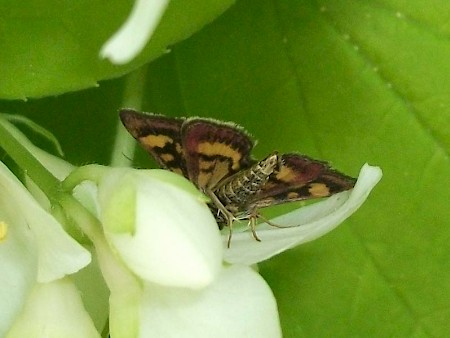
[{"x": 216, "y": 157}]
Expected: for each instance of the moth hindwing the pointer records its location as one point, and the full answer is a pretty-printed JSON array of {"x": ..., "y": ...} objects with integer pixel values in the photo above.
[{"x": 216, "y": 157}]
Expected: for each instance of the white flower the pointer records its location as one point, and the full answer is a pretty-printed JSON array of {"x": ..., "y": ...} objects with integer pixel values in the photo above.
[
  {"x": 173, "y": 282},
  {"x": 164, "y": 234},
  {"x": 54, "y": 310},
  {"x": 35, "y": 256},
  {"x": 131, "y": 38},
  {"x": 56, "y": 252},
  {"x": 34, "y": 249},
  {"x": 238, "y": 304}
]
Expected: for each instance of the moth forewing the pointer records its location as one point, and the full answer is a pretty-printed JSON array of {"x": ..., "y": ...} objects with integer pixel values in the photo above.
[
  {"x": 159, "y": 135},
  {"x": 214, "y": 150},
  {"x": 301, "y": 178}
]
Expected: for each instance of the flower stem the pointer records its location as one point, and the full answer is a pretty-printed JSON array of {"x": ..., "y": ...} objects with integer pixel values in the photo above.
[
  {"x": 124, "y": 145},
  {"x": 85, "y": 220},
  {"x": 90, "y": 172},
  {"x": 48, "y": 183}
]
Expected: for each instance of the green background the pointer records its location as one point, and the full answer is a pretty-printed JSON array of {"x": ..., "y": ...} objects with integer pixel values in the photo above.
[{"x": 345, "y": 81}]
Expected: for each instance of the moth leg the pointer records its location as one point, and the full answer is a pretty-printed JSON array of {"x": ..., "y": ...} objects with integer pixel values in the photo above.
[
  {"x": 230, "y": 218},
  {"x": 230, "y": 233},
  {"x": 252, "y": 225}
]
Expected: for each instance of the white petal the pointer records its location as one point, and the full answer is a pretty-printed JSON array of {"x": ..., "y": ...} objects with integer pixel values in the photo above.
[
  {"x": 314, "y": 221},
  {"x": 57, "y": 166},
  {"x": 18, "y": 269},
  {"x": 125, "y": 293},
  {"x": 174, "y": 240},
  {"x": 94, "y": 292},
  {"x": 124, "y": 315},
  {"x": 86, "y": 193},
  {"x": 131, "y": 38},
  {"x": 58, "y": 253},
  {"x": 238, "y": 304},
  {"x": 54, "y": 310}
]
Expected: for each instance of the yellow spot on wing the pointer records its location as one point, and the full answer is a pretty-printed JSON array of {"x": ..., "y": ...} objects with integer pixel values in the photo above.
[
  {"x": 156, "y": 140},
  {"x": 286, "y": 174},
  {"x": 319, "y": 190},
  {"x": 167, "y": 157},
  {"x": 292, "y": 195},
  {"x": 217, "y": 148},
  {"x": 211, "y": 179},
  {"x": 177, "y": 170},
  {"x": 207, "y": 165}
]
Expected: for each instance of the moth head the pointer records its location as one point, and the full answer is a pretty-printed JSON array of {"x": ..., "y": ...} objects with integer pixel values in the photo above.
[{"x": 270, "y": 163}]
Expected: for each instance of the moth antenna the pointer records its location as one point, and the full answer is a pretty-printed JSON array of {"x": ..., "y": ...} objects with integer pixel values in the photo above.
[{"x": 127, "y": 157}]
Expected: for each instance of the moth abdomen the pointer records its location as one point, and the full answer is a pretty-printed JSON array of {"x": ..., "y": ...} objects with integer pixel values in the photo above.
[{"x": 238, "y": 189}]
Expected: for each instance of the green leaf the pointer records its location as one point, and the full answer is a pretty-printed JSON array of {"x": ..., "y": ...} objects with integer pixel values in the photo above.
[
  {"x": 348, "y": 82},
  {"x": 52, "y": 47},
  {"x": 345, "y": 81}
]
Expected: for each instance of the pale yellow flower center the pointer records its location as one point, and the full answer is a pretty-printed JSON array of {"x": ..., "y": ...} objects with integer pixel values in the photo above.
[{"x": 3, "y": 231}]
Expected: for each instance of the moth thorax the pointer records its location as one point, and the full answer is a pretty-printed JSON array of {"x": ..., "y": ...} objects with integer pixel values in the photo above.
[{"x": 236, "y": 191}]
